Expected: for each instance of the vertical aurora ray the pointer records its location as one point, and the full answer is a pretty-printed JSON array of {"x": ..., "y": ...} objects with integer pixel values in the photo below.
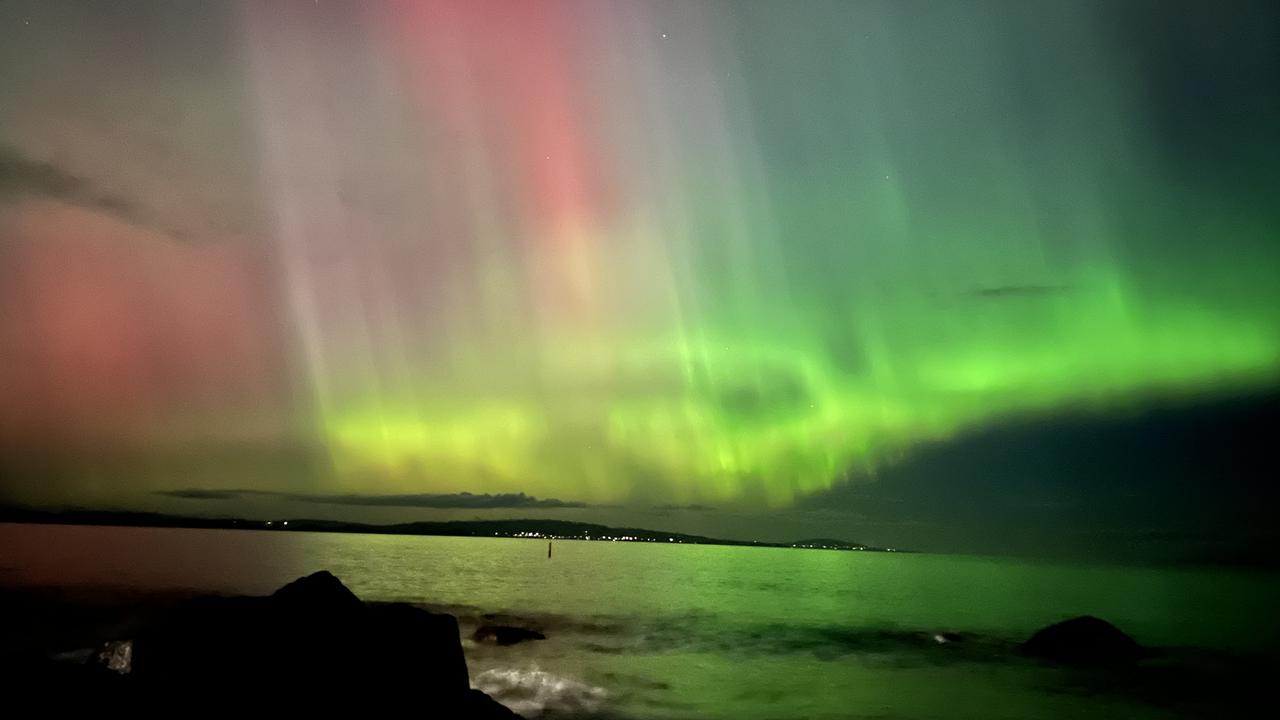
[{"x": 706, "y": 252}]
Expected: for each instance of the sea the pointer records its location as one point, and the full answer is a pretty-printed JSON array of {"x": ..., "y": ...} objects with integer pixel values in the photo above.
[{"x": 657, "y": 630}]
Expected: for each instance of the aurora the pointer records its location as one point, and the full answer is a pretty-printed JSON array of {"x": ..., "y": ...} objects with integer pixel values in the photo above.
[{"x": 726, "y": 254}]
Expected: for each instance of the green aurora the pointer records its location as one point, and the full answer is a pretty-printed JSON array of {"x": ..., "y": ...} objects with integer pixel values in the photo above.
[
  {"x": 834, "y": 245},
  {"x": 729, "y": 254}
]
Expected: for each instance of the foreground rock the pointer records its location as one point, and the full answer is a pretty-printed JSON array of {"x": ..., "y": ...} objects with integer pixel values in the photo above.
[
  {"x": 505, "y": 634},
  {"x": 312, "y": 641},
  {"x": 313, "y": 629},
  {"x": 1084, "y": 640}
]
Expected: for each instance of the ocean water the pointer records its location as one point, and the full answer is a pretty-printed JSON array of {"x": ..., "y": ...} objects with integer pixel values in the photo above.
[{"x": 673, "y": 631}]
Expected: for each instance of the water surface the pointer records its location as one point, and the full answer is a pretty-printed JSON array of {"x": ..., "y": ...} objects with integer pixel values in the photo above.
[{"x": 656, "y": 630}]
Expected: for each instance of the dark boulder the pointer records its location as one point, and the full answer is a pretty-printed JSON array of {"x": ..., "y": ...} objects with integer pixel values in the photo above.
[
  {"x": 417, "y": 647},
  {"x": 1084, "y": 640},
  {"x": 310, "y": 644},
  {"x": 36, "y": 676},
  {"x": 319, "y": 592},
  {"x": 481, "y": 706},
  {"x": 505, "y": 634}
]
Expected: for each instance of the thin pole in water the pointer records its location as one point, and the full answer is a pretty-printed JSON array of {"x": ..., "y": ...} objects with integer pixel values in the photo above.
[{"x": 548, "y": 549}]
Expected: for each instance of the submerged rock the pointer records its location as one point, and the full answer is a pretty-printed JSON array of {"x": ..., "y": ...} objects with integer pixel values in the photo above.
[
  {"x": 505, "y": 634},
  {"x": 1084, "y": 640},
  {"x": 945, "y": 638}
]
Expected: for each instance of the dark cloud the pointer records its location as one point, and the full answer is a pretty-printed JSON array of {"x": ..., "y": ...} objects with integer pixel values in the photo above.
[
  {"x": 1008, "y": 291},
  {"x": 1147, "y": 484},
  {"x": 462, "y": 500},
  {"x": 452, "y": 500},
  {"x": 198, "y": 494},
  {"x": 20, "y": 175}
]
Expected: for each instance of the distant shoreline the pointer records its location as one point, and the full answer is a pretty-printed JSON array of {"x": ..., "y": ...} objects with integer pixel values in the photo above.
[{"x": 519, "y": 529}]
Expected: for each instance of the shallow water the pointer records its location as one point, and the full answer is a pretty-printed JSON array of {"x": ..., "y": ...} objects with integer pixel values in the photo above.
[{"x": 651, "y": 630}]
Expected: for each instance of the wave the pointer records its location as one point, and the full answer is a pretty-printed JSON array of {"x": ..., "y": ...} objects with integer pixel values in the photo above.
[
  {"x": 908, "y": 646},
  {"x": 532, "y": 692},
  {"x": 614, "y": 635}
]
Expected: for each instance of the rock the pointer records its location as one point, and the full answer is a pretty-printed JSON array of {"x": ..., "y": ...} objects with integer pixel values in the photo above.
[
  {"x": 117, "y": 656},
  {"x": 319, "y": 592},
  {"x": 1084, "y": 640},
  {"x": 419, "y": 648},
  {"x": 310, "y": 644},
  {"x": 479, "y": 705},
  {"x": 208, "y": 637},
  {"x": 32, "y": 679},
  {"x": 505, "y": 634}
]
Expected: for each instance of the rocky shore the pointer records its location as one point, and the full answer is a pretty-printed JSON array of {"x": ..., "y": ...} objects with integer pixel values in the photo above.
[
  {"x": 314, "y": 646},
  {"x": 311, "y": 644}
]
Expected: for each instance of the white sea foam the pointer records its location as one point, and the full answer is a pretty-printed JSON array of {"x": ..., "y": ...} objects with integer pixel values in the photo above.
[
  {"x": 531, "y": 691},
  {"x": 118, "y": 655}
]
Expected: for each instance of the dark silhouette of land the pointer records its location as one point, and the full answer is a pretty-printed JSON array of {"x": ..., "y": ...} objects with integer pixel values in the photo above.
[{"x": 525, "y": 528}]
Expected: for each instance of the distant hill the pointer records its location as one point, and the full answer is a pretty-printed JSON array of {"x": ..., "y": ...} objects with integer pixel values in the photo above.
[{"x": 527, "y": 528}]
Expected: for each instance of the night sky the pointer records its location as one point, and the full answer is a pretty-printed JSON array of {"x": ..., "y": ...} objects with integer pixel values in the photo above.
[{"x": 972, "y": 276}]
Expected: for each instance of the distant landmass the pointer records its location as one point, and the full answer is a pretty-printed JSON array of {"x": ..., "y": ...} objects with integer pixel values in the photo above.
[{"x": 530, "y": 528}]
